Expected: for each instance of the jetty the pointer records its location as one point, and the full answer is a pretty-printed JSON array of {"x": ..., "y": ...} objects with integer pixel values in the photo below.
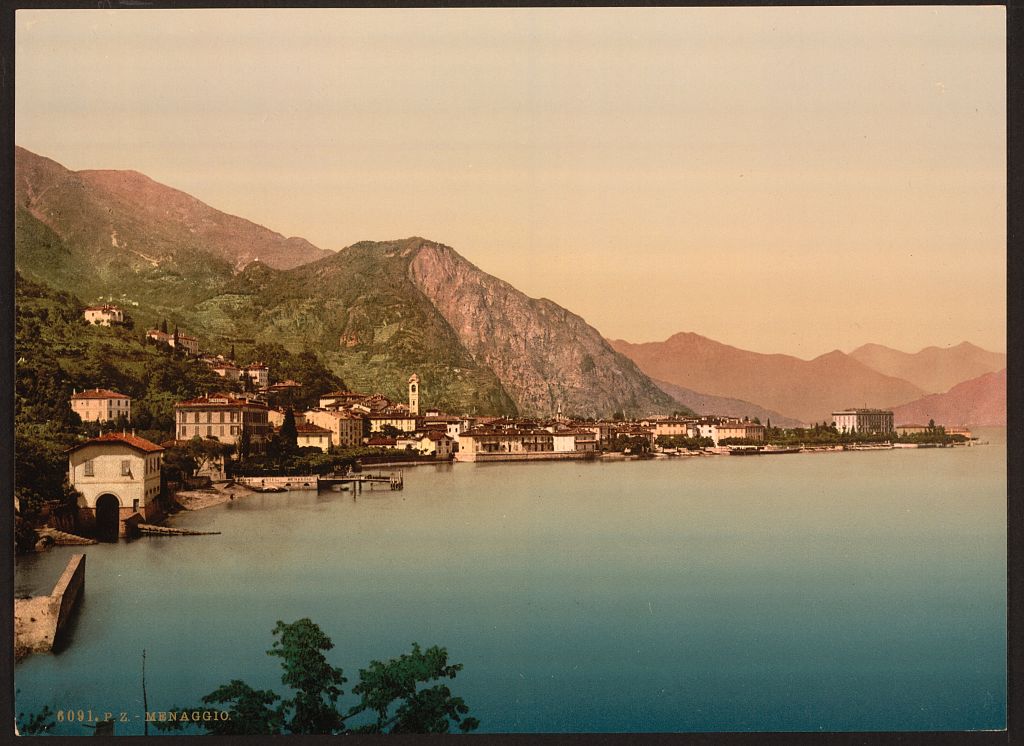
[
  {"x": 394, "y": 480},
  {"x": 153, "y": 530},
  {"x": 63, "y": 538}
]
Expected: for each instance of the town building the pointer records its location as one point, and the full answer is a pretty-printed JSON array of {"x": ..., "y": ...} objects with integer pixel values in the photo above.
[
  {"x": 228, "y": 371},
  {"x": 100, "y": 405},
  {"x": 104, "y": 315},
  {"x": 436, "y": 444},
  {"x": 184, "y": 342},
  {"x": 258, "y": 373},
  {"x": 733, "y": 429},
  {"x": 864, "y": 421},
  {"x": 476, "y": 445},
  {"x": 396, "y": 417},
  {"x": 347, "y": 428},
  {"x": 672, "y": 427},
  {"x": 451, "y": 426},
  {"x": 224, "y": 417},
  {"x": 911, "y": 429},
  {"x": 158, "y": 336},
  {"x": 275, "y": 416},
  {"x": 118, "y": 476},
  {"x": 313, "y": 436}
]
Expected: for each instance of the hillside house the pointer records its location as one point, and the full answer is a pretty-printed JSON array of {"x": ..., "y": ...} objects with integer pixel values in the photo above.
[
  {"x": 100, "y": 405},
  {"x": 258, "y": 373},
  {"x": 104, "y": 315},
  {"x": 184, "y": 342}
]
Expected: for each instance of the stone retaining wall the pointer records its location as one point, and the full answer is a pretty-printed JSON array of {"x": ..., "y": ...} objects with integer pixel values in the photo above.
[{"x": 40, "y": 621}]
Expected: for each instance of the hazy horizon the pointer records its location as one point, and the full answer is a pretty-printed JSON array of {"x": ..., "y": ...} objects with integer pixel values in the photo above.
[{"x": 783, "y": 180}]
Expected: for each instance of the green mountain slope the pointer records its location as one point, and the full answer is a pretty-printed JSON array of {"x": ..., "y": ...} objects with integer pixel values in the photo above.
[{"x": 374, "y": 312}]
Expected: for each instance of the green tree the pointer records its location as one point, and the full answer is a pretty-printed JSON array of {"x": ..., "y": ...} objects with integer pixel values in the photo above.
[
  {"x": 163, "y": 326},
  {"x": 244, "y": 443},
  {"x": 389, "y": 693},
  {"x": 289, "y": 432},
  {"x": 35, "y": 723}
]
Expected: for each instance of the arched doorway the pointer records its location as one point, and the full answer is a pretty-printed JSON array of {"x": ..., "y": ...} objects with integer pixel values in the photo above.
[{"x": 108, "y": 515}]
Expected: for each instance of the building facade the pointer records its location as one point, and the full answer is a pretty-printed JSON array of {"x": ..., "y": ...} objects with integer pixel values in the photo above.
[
  {"x": 864, "y": 421},
  {"x": 746, "y": 430},
  {"x": 118, "y": 476},
  {"x": 101, "y": 405},
  {"x": 347, "y": 428},
  {"x": 313, "y": 436},
  {"x": 223, "y": 417}
]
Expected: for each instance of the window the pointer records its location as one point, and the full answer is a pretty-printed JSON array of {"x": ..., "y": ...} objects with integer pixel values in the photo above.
[
  {"x": 221, "y": 429},
  {"x": 135, "y": 504},
  {"x": 126, "y": 468},
  {"x": 90, "y": 469},
  {"x": 234, "y": 429},
  {"x": 209, "y": 429},
  {"x": 222, "y": 419},
  {"x": 197, "y": 416}
]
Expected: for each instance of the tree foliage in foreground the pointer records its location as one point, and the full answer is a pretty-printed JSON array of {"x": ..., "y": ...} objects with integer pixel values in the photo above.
[{"x": 401, "y": 695}]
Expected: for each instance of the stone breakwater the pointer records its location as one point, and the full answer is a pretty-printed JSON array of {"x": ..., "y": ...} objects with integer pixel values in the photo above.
[{"x": 39, "y": 621}]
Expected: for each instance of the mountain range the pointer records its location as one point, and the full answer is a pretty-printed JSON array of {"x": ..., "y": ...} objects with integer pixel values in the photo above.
[
  {"x": 808, "y": 390},
  {"x": 980, "y": 401},
  {"x": 377, "y": 311},
  {"x": 933, "y": 369}
]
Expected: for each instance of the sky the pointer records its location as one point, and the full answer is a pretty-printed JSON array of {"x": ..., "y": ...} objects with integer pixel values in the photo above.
[{"x": 784, "y": 180}]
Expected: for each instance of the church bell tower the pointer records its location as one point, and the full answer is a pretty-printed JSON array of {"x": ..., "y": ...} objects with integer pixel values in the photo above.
[{"x": 414, "y": 394}]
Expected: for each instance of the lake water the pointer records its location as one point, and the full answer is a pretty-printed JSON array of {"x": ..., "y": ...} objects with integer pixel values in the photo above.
[{"x": 804, "y": 592}]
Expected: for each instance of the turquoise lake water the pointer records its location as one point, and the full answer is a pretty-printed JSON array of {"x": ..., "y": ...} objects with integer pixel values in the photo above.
[{"x": 804, "y": 592}]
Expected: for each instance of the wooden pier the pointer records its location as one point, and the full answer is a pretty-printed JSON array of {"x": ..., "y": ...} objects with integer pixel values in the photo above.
[
  {"x": 393, "y": 480},
  {"x": 152, "y": 530}
]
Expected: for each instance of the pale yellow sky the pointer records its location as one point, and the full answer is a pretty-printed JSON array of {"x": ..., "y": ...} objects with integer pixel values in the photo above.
[{"x": 780, "y": 179}]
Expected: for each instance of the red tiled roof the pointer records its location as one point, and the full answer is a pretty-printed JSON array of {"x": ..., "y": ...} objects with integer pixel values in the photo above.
[
  {"x": 99, "y": 394},
  {"x": 102, "y": 308},
  {"x": 306, "y": 427},
  {"x": 205, "y": 401},
  {"x": 126, "y": 438}
]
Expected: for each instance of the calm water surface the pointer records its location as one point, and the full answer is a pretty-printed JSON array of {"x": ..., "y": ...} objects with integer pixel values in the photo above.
[{"x": 835, "y": 591}]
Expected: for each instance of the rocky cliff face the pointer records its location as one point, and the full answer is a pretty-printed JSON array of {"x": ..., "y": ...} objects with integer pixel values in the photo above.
[{"x": 545, "y": 356}]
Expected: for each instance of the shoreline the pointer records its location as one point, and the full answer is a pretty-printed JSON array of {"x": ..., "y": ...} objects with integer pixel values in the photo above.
[{"x": 218, "y": 494}]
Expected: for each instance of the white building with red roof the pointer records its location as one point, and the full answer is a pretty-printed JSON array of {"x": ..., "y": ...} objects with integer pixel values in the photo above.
[
  {"x": 313, "y": 436},
  {"x": 100, "y": 405},
  {"x": 118, "y": 475},
  {"x": 104, "y": 315}
]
